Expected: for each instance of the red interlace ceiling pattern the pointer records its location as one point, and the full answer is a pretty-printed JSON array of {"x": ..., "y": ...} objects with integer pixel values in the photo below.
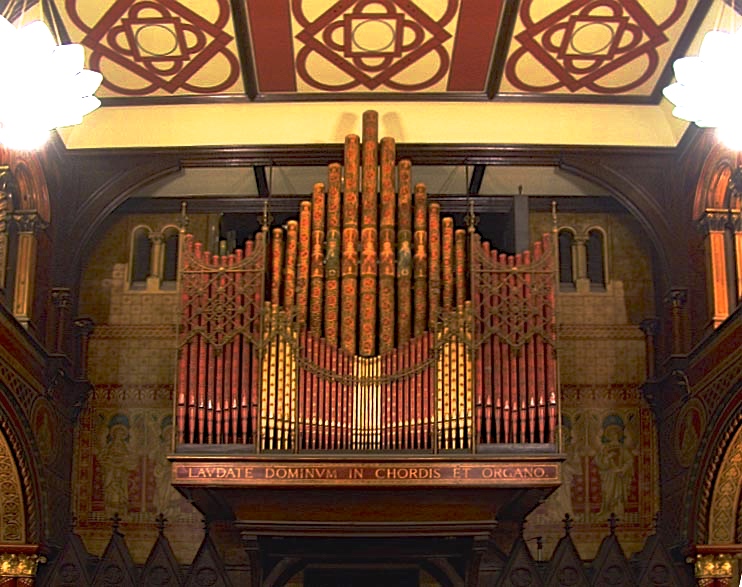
[{"x": 284, "y": 49}]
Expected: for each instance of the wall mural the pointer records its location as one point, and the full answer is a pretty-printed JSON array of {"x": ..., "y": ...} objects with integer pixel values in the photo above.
[
  {"x": 125, "y": 435},
  {"x": 610, "y": 443}
]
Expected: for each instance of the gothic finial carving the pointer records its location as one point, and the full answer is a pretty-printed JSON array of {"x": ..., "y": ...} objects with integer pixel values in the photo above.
[
  {"x": 568, "y": 522},
  {"x": 612, "y": 523},
  {"x": 115, "y": 522},
  {"x": 161, "y": 522},
  {"x": 184, "y": 220}
]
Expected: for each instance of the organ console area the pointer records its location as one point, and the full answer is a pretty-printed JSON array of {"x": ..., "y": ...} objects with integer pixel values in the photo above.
[{"x": 368, "y": 367}]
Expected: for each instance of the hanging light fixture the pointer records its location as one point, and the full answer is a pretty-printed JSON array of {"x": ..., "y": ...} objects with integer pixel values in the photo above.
[
  {"x": 44, "y": 85},
  {"x": 707, "y": 89}
]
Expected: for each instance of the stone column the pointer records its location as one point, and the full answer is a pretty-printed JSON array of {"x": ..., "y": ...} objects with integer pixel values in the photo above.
[
  {"x": 84, "y": 327},
  {"x": 735, "y": 219},
  {"x": 29, "y": 224},
  {"x": 62, "y": 300},
  {"x": 155, "y": 261},
  {"x": 713, "y": 225},
  {"x": 677, "y": 298},
  {"x": 579, "y": 264},
  {"x": 7, "y": 187},
  {"x": 650, "y": 327}
]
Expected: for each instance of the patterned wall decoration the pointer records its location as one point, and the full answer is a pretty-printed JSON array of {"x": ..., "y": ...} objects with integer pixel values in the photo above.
[
  {"x": 380, "y": 45},
  {"x": 600, "y": 48},
  {"x": 121, "y": 468},
  {"x": 163, "y": 48},
  {"x": 609, "y": 438}
]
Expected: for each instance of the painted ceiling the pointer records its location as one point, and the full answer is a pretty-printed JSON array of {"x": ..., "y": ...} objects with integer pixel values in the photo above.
[{"x": 544, "y": 52}]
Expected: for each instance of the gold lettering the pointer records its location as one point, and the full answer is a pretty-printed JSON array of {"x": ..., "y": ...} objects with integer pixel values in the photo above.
[{"x": 358, "y": 473}]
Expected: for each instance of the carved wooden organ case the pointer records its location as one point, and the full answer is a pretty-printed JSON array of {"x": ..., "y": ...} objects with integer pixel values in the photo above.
[{"x": 369, "y": 323}]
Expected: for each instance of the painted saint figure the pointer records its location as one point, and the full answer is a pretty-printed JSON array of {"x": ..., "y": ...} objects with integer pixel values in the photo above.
[
  {"x": 117, "y": 461},
  {"x": 615, "y": 462}
]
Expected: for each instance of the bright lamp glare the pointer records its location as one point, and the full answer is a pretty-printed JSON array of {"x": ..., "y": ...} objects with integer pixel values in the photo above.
[
  {"x": 707, "y": 91},
  {"x": 45, "y": 85}
]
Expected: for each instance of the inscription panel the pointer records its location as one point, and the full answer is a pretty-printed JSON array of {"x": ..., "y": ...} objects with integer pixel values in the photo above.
[{"x": 366, "y": 474}]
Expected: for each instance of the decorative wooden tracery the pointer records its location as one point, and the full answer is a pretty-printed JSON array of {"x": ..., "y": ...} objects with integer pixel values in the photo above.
[{"x": 367, "y": 324}]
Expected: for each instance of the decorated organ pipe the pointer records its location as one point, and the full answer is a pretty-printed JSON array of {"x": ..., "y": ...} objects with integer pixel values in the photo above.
[{"x": 367, "y": 324}]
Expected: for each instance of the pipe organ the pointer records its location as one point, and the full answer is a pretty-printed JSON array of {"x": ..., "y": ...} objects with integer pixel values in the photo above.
[{"x": 370, "y": 323}]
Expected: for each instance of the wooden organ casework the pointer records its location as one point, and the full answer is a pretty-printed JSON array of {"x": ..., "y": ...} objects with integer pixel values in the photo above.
[{"x": 367, "y": 342}]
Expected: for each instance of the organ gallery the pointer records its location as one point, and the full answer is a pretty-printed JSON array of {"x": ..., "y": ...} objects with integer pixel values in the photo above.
[{"x": 431, "y": 294}]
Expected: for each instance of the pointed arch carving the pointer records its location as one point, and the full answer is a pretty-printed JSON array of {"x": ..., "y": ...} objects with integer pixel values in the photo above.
[
  {"x": 722, "y": 527},
  {"x": 12, "y": 510}
]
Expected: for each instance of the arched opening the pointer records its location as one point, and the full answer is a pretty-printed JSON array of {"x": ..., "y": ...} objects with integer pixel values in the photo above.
[
  {"x": 169, "y": 258},
  {"x": 141, "y": 252},
  {"x": 595, "y": 253},
  {"x": 566, "y": 260}
]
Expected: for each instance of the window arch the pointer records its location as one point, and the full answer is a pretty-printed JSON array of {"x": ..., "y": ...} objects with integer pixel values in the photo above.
[
  {"x": 717, "y": 212},
  {"x": 141, "y": 255},
  {"x": 566, "y": 259},
  {"x": 595, "y": 259},
  {"x": 169, "y": 257}
]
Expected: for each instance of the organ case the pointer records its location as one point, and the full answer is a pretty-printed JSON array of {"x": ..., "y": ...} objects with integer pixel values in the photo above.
[{"x": 370, "y": 323}]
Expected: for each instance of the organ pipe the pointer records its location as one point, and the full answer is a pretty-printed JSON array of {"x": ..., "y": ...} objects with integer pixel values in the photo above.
[{"x": 369, "y": 324}]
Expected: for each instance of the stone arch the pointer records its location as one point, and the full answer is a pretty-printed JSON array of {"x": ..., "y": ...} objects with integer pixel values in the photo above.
[
  {"x": 722, "y": 524},
  {"x": 716, "y": 461},
  {"x": 711, "y": 190},
  {"x": 12, "y": 503},
  {"x": 31, "y": 181}
]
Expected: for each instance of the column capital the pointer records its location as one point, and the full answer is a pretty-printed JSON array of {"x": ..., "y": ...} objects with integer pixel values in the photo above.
[
  {"x": 19, "y": 564},
  {"x": 650, "y": 326},
  {"x": 84, "y": 326},
  {"x": 677, "y": 297},
  {"x": 61, "y": 298},
  {"x": 713, "y": 220},
  {"x": 29, "y": 221},
  {"x": 713, "y": 566}
]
